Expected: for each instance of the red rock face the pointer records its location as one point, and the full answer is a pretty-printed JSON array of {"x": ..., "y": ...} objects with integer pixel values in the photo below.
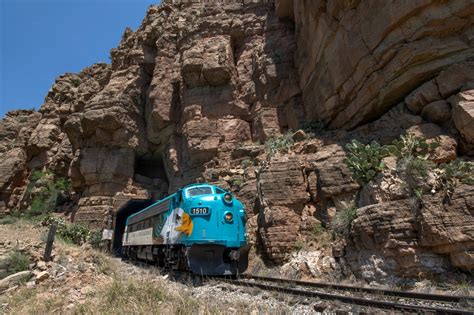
[
  {"x": 357, "y": 59},
  {"x": 415, "y": 241},
  {"x": 196, "y": 92}
]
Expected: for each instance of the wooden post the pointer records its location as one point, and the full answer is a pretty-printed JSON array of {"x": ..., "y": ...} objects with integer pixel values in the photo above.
[{"x": 49, "y": 242}]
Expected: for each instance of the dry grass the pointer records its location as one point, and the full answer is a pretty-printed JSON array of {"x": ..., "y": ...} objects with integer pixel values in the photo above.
[
  {"x": 122, "y": 295},
  {"x": 95, "y": 283},
  {"x": 461, "y": 287},
  {"x": 20, "y": 231}
]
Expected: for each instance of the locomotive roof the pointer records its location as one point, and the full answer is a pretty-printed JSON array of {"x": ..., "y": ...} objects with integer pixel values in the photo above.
[
  {"x": 198, "y": 184},
  {"x": 166, "y": 198}
]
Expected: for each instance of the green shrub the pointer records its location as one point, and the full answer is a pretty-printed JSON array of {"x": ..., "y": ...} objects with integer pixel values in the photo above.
[
  {"x": 73, "y": 233},
  {"x": 452, "y": 173},
  {"x": 282, "y": 143},
  {"x": 63, "y": 184},
  {"x": 237, "y": 182},
  {"x": 8, "y": 220},
  {"x": 418, "y": 192},
  {"x": 75, "y": 82},
  {"x": 38, "y": 206},
  {"x": 246, "y": 163},
  {"x": 95, "y": 239},
  {"x": 341, "y": 223},
  {"x": 300, "y": 244},
  {"x": 458, "y": 170},
  {"x": 365, "y": 160},
  {"x": 317, "y": 230},
  {"x": 313, "y": 127},
  {"x": 37, "y": 175},
  {"x": 415, "y": 167},
  {"x": 410, "y": 145},
  {"x": 17, "y": 261},
  {"x": 69, "y": 232},
  {"x": 46, "y": 199}
]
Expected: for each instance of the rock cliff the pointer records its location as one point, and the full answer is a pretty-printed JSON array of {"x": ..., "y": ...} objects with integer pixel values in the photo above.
[{"x": 199, "y": 92}]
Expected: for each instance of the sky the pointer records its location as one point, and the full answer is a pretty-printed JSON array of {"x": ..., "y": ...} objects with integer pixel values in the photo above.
[{"x": 42, "y": 39}]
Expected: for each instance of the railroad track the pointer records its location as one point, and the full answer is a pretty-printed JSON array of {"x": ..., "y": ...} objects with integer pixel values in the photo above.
[
  {"x": 367, "y": 297},
  {"x": 391, "y": 300}
]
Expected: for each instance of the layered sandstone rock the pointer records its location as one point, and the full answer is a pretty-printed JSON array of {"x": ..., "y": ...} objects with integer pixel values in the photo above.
[
  {"x": 282, "y": 191},
  {"x": 196, "y": 92},
  {"x": 412, "y": 240},
  {"x": 15, "y": 130},
  {"x": 463, "y": 118},
  {"x": 357, "y": 59}
]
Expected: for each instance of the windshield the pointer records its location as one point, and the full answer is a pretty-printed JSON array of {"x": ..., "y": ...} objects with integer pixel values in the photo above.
[{"x": 196, "y": 191}]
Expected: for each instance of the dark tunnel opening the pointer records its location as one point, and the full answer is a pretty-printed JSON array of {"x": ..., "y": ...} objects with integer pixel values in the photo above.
[
  {"x": 151, "y": 168},
  {"x": 150, "y": 174},
  {"x": 132, "y": 206}
]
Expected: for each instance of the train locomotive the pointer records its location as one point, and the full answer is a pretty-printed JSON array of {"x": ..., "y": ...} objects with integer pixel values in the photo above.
[{"x": 200, "y": 227}]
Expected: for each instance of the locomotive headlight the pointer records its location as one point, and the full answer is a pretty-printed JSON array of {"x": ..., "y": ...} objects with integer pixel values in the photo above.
[
  {"x": 228, "y": 197},
  {"x": 228, "y": 217}
]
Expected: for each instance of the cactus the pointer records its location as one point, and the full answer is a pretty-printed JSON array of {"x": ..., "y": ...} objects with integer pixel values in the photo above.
[
  {"x": 410, "y": 145},
  {"x": 365, "y": 160},
  {"x": 283, "y": 143}
]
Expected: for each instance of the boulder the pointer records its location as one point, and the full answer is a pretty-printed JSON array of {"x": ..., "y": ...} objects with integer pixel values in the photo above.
[
  {"x": 41, "y": 265},
  {"x": 463, "y": 114},
  {"x": 41, "y": 276},
  {"x": 299, "y": 135},
  {"x": 437, "y": 112},
  {"x": 14, "y": 279},
  {"x": 455, "y": 78},
  {"x": 425, "y": 94}
]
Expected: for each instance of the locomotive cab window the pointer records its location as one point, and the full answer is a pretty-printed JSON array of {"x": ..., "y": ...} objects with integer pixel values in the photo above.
[
  {"x": 196, "y": 191},
  {"x": 178, "y": 198}
]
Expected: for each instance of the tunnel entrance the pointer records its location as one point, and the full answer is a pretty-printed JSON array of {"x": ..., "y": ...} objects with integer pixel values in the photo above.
[{"x": 130, "y": 207}]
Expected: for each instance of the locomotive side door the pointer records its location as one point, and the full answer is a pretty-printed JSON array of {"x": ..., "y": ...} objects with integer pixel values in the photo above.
[{"x": 174, "y": 218}]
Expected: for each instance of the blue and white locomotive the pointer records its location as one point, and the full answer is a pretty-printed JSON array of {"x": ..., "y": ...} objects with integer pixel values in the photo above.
[{"x": 200, "y": 227}]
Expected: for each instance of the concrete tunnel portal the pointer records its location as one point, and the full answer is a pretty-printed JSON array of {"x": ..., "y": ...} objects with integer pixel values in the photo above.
[{"x": 130, "y": 207}]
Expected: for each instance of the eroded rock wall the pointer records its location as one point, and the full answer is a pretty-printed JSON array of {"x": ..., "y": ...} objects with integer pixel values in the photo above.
[
  {"x": 197, "y": 90},
  {"x": 356, "y": 59},
  {"x": 414, "y": 240}
]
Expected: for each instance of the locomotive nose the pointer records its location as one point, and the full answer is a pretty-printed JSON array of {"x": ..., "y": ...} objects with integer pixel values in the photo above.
[{"x": 207, "y": 259}]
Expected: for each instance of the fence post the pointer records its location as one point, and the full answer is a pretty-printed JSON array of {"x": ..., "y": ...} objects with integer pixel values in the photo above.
[{"x": 49, "y": 242}]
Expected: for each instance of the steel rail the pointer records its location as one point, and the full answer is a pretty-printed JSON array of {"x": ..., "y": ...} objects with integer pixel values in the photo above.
[
  {"x": 387, "y": 305},
  {"x": 396, "y": 293}
]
